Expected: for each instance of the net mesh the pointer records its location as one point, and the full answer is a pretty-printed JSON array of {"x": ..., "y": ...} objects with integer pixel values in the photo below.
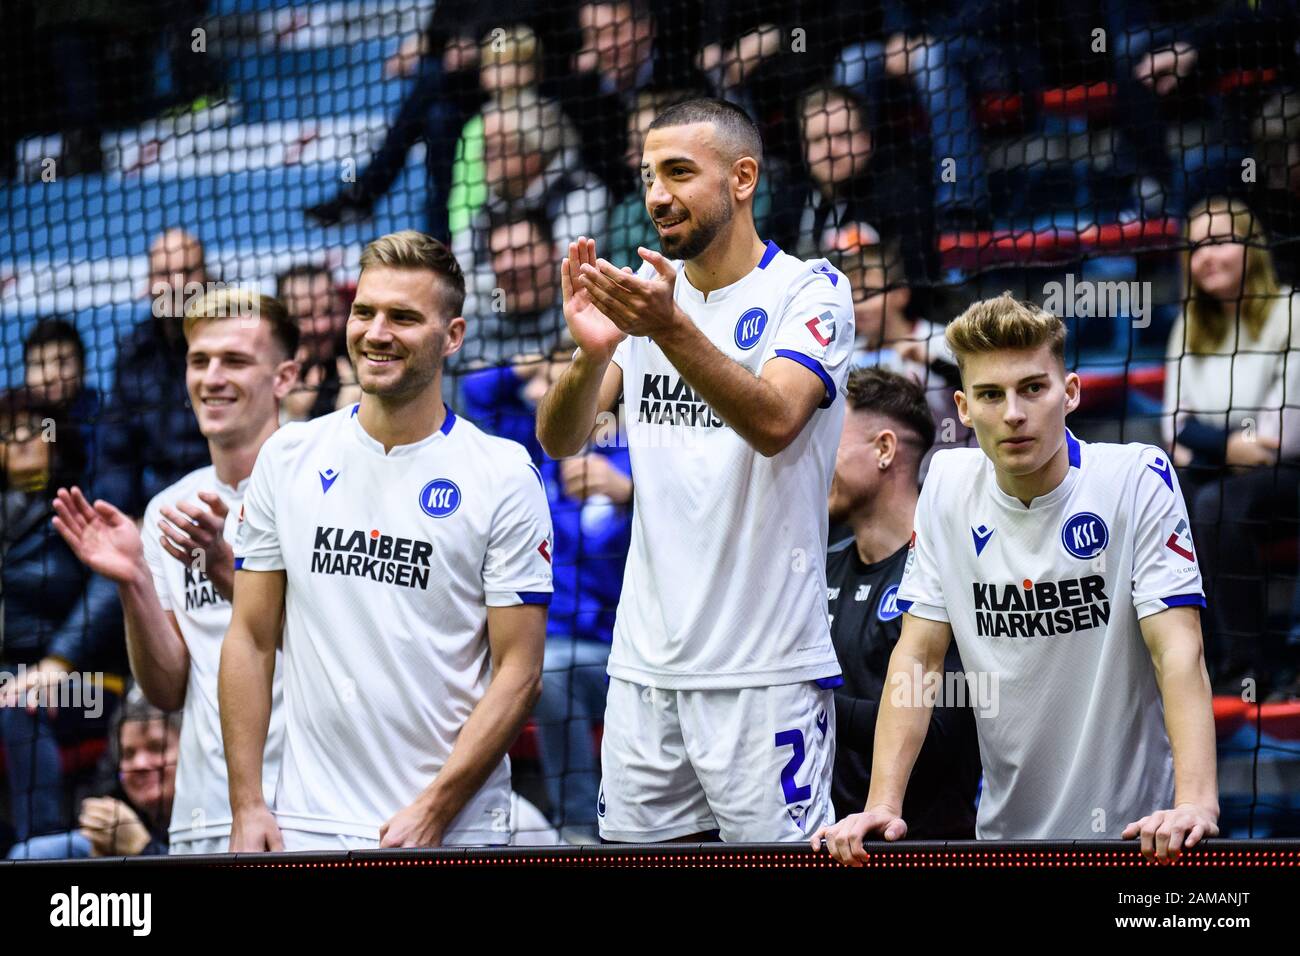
[{"x": 1134, "y": 167}]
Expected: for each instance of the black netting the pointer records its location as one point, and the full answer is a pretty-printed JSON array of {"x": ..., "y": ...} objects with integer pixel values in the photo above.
[{"x": 1132, "y": 166}]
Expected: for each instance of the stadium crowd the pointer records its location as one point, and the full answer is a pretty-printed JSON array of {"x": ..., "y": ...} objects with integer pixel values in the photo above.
[{"x": 880, "y": 125}]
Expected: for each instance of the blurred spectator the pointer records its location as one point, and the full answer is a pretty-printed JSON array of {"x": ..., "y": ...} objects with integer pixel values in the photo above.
[
  {"x": 446, "y": 95},
  {"x": 149, "y": 438},
  {"x": 888, "y": 336},
  {"x": 61, "y": 625},
  {"x": 851, "y": 185},
  {"x": 525, "y": 309},
  {"x": 130, "y": 818},
  {"x": 1187, "y": 48},
  {"x": 327, "y": 380},
  {"x": 887, "y": 432},
  {"x": 950, "y": 51},
  {"x": 626, "y": 48},
  {"x": 531, "y": 164},
  {"x": 1277, "y": 192},
  {"x": 54, "y": 359},
  {"x": 590, "y": 498},
  {"x": 510, "y": 59},
  {"x": 762, "y": 55},
  {"x": 1230, "y": 416}
]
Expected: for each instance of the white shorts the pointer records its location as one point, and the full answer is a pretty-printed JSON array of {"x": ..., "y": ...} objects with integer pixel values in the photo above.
[{"x": 753, "y": 763}]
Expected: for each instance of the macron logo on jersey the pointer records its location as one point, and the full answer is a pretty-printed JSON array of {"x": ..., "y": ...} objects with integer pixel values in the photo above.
[
  {"x": 380, "y": 557},
  {"x": 327, "y": 479},
  {"x": 1040, "y": 610},
  {"x": 981, "y": 536},
  {"x": 1161, "y": 468},
  {"x": 828, "y": 272}
]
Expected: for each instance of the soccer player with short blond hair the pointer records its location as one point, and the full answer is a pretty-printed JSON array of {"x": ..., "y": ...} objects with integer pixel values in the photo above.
[
  {"x": 175, "y": 574},
  {"x": 1068, "y": 570},
  {"x": 403, "y": 557}
]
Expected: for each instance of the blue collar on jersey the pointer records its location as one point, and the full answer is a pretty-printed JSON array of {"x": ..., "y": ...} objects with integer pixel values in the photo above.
[
  {"x": 446, "y": 424},
  {"x": 768, "y": 254},
  {"x": 1072, "y": 445}
]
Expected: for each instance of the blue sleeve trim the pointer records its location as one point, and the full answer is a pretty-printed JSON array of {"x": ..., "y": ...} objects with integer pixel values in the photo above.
[
  {"x": 535, "y": 597},
  {"x": 829, "y": 683},
  {"x": 239, "y": 564},
  {"x": 814, "y": 366},
  {"x": 1184, "y": 600},
  {"x": 903, "y": 605}
]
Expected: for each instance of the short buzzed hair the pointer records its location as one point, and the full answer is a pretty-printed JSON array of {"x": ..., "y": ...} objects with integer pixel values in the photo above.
[
  {"x": 738, "y": 135},
  {"x": 409, "y": 249},
  {"x": 1004, "y": 324},
  {"x": 896, "y": 397}
]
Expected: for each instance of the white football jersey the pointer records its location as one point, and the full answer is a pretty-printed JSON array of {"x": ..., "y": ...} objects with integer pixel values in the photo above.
[
  {"x": 1044, "y": 604},
  {"x": 391, "y": 563},
  {"x": 725, "y": 584},
  {"x": 201, "y": 806}
]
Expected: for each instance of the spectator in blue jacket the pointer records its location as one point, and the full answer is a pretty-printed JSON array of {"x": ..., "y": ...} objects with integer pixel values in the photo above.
[
  {"x": 590, "y": 498},
  {"x": 61, "y": 629},
  {"x": 150, "y": 439}
]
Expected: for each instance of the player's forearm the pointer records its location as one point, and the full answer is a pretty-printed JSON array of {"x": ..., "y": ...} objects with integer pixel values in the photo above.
[
  {"x": 491, "y": 728},
  {"x": 902, "y": 722},
  {"x": 244, "y": 694},
  {"x": 160, "y": 662},
  {"x": 744, "y": 401},
  {"x": 1189, "y": 721},
  {"x": 567, "y": 414}
]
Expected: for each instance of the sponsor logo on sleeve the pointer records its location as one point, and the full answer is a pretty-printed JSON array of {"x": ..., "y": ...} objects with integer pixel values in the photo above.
[
  {"x": 1178, "y": 538},
  {"x": 822, "y": 328}
]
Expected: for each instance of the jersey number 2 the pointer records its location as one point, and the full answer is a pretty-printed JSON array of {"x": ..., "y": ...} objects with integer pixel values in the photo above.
[{"x": 793, "y": 792}]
